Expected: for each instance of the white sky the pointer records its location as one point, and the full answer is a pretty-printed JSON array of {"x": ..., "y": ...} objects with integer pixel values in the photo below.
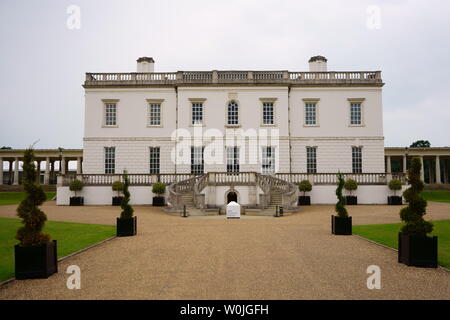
[{"x": 43, "y": 62}]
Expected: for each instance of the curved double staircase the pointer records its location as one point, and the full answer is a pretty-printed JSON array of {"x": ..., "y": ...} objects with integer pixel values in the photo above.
[{"x": 275, "y": 191}]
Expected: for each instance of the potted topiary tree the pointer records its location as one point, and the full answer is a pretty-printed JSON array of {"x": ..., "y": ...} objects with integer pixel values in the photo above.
[
  {"x": 350, "y": 185},
  {"x": 118, "y": 187},
  {"x": 127, "y": 223},
  {"x": 395, "y": 185},
  {"x": 159, "y": 189},
  {"x": 304, "y": 186},
  {"x": 342, "y": 223},
  {"x": 76, "y": 185},
  {"x": 35, "y": 255},
  {"x": 415, "y": 248}
]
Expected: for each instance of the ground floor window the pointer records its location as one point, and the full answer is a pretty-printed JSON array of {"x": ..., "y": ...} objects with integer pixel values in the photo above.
[
  {"x": 154, "y": 160},
  {"x": 268, "y": 160},
  {"x": 357, "y": 159},
  {"x": 197, "y": 160},
  {"x": 110, "y": 160},
  {"x": 311, "y": 160},
  {"x": 232, "y": 159}
]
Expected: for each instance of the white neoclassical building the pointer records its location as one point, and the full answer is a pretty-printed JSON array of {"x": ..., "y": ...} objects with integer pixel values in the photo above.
[{"x": 248, "y": 134}]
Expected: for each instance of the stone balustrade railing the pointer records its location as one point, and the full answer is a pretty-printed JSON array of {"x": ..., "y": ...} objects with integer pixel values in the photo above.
[
  {"x": 331, "y": 178},
  {"x": 225, "y": 178},
  {"x": 135, "y": 179},
  {"x": 236, "y": 77}
]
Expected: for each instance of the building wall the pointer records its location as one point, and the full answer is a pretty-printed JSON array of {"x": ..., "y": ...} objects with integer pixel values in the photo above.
[{"x": 333, "y": 136}]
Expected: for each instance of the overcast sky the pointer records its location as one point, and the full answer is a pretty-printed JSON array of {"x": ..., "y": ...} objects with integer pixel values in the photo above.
[{"x": 43, "y": 61}]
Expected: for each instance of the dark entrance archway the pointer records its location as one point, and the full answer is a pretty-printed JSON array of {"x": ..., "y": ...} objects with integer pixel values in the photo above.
[{"x": 231, "y": 196}]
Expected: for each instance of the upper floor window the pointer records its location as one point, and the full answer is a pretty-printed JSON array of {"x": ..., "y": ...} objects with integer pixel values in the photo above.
[
  {"x": 197, "y": 161},
  {"x": 311, "y": 160},
  {"x": 268, "y": 160},
  {"x": 154, "y": 160},
  {"x": 110, "y": 160},
  {"x": 357, "y": 159},
  {"x": 197, "y": 112},
  {"x": 310, "y": 113},
  {"x": 110, "y": 113},
  {"x": 356, "y": 111},
  {"x": 155, "y": 114},
  {"x": 268, "y": 114},
  {"x": 233, "y": 113}
]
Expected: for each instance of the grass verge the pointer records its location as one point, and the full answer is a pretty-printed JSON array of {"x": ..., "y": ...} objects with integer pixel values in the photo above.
[
  {"x": 17, "y": 197},
  {"x": 387, "y": 234},
  {"x": 71, "y": 237}
]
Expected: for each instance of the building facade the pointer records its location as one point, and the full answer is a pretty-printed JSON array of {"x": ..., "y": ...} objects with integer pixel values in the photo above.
[{"x": 311, "y": 122}]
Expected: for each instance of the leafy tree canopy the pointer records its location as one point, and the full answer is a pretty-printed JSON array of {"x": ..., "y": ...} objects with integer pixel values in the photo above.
[{"x": 420, "y": 144}]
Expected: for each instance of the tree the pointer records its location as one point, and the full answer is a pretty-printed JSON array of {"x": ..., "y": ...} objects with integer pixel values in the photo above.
[
  {"x": 340, "y": 205},
  {"x": 127, "y": 210},
  {"x": 304, "y": 186},
  {"x": 350, "y": 185},
  {"x": 117, "y": 186},
  {"x": 395, "y": 185},
  {"x": 413, "y": 214},
  {"x": 76, "y": 185},
  {"x": 420, "y": 144},
  {"x": 5, "y": 148},
  {"x": 159, "y": 188},
  {"x": 33, "y": 219}
]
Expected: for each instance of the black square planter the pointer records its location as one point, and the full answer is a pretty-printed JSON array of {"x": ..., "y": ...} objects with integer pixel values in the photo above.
[
  {"x": 117, "y": 201},
  {"x": 351, "y": 200},
  {"x": 341, "y": 226},
  {"x": 418, "y": 251},
  {"x": 395, "y": 201},
  {"x": 304, "y": 200},
  {"x": 158, "y": 201},
  {"x": 76, "y": 201},
  {"x": 126, "y": 227},
  {"x": 33, "y": 262}
]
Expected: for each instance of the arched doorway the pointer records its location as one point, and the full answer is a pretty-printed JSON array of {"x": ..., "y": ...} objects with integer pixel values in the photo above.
[{"x": 231, "y": 196}]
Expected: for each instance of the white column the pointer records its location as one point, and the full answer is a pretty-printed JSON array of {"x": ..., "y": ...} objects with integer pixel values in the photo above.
[
  {"x": 388, "y": 164},
  {"x": 404, "y": 164},
  {"x": 79, "y": 165},
  {"x": 1, "y": 170},
  {"x": 38, "y": 171},
  {"x": 63, "y": 165},
  {"x": 422, "y": 173},
  {"x": 47, "y": 171},
  {"x": 16, "y": 171},
  {"x": 438, "y": 170}
]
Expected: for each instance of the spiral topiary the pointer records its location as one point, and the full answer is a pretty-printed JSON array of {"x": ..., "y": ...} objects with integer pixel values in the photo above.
[
  {"x": 127, "y": 210},
  {"x": 33, "y": 219},
  {"x": 340, "y": 205},
  {"x": 413, "y": 214}
]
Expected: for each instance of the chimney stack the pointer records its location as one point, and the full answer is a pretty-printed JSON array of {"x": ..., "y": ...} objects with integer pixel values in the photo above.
[
  {"x": 145, "y": 64},
  {"x": 318, "y": 64}
]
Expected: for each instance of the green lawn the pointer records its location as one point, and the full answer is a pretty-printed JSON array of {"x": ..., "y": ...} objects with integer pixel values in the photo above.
[
  {"x": 387, "y": 234},
  {"x": 70, "y": 236},
  {"x": 17, "y": 197},
  {"x": 437, "y": 195}
]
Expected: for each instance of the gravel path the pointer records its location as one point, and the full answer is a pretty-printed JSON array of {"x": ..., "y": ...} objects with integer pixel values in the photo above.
[{"x": 294, "y": 257}]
